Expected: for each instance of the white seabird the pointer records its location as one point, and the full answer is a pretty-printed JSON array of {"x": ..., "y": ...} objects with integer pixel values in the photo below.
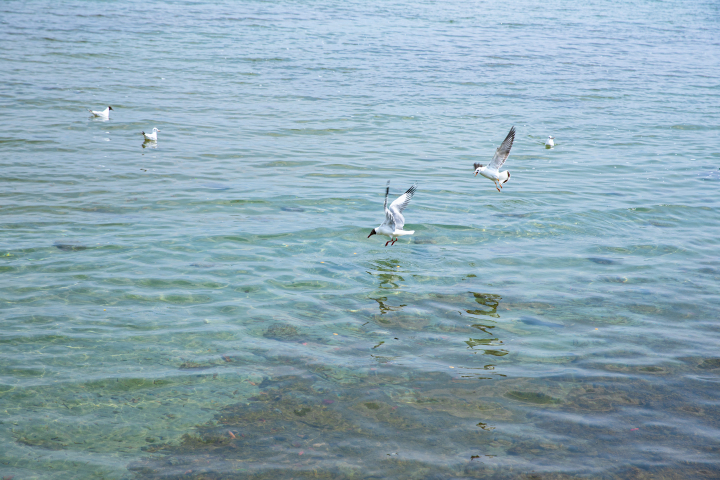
[
  {"x": 394, "y": 220},
  {"x": 151, "y": 136},
  {"x": 492, "y": 171},
  {"x": 550, "y": 142},
  {"x": 101, "y": 113}
]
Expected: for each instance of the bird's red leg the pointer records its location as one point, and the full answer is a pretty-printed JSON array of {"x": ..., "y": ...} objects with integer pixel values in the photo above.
[
  {"x": 387, "y": 243},
  {"x": 393, "y": 242}
]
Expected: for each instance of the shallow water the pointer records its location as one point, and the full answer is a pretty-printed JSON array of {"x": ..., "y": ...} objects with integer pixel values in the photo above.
[{"x": 209, "y": 306}]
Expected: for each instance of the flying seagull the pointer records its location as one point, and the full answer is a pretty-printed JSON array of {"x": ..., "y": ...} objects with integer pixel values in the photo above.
[
  {"x": 492, "y": 171},
  {"x": 394, "y": 220},
  {"x": 101, "y": 113},
  {"x": 151, "y": 136}
]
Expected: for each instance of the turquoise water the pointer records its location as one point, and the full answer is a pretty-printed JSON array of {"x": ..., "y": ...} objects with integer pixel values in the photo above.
[{"x": 210, "y": 306}]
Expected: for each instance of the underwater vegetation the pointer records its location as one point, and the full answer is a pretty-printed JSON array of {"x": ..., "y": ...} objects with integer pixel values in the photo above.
[{"x": 336, "y": 424}]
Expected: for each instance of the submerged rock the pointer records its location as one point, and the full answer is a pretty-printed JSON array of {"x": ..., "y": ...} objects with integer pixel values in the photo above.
[
  {"x": 424, "y": 241},
  {"x": 190, "y": 365},
  {"x": 533, "y": 397},
  {"x": 540, "y": 323},
  {"x": 710, "y": 364},
  {"x": 281, "y": 331},
  {"x": 69, "y": 246},
  {"x": 602, "y": 261}
]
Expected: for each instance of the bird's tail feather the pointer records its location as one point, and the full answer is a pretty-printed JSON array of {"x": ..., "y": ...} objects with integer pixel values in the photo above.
[{"x": 504, "y": 176}]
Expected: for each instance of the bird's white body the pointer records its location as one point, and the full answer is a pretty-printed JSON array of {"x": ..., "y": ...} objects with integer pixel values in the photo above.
[
  {"x": 492, "y": 171},
  {"x": 388, "y": 231},
  {"x": 550, "y": 142},
  {"x": 101, "y": 113},
  {"x": 394, "y": 221},
  {"x": 494, "y": 175},
  {"x": 151, "y": 136}
]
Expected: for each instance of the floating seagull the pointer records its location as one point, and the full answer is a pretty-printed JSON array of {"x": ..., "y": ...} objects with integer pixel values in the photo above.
[
  {"x": 151, "y": 136},
  {"x": 394, "y": 220},
  {"x": 550, "y": 142},
  {"x": 102, "y": 113},
  {"x": 492, "y": 171}
]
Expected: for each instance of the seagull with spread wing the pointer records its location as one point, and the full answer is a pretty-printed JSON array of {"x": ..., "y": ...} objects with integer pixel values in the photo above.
[
  {"x": 394, "y": 220},
  {"x": 492, "y": 171}
]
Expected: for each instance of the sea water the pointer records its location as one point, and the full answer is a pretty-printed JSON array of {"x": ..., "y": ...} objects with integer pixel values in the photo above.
[{"x": 209, "y": 305}]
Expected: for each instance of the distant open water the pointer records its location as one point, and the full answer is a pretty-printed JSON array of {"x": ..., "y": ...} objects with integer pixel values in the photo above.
[{"x": 210, "y": 307}]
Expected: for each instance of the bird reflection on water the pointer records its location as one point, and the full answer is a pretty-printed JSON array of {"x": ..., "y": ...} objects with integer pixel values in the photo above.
[
  {"x": 487, "y": 300},
  {"x": 387, "y": 308},
  {"x": 388, "y": 280}
]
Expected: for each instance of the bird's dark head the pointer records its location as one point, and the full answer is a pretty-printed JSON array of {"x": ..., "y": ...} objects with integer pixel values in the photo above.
[
  {"x": 109, "y": 107},
  {"x": 372, "y": 233}
]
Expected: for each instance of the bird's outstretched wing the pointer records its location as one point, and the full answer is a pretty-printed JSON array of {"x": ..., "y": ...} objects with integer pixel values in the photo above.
[
  {"x": 389, "y": 220},
  {"x": 387, "y": 192},
  {"x": 399, "y": 205},
  {"x": 503, "y": 151}
]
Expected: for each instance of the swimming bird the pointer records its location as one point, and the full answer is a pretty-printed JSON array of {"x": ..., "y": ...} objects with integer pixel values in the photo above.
[
  {"x": 394, "y": 220},
  {"x": 151, "y": 136},
  {"x": 492, "y": 171},
  {"x": 101, "y": 113},
  {"x": 550, "y": 142}
]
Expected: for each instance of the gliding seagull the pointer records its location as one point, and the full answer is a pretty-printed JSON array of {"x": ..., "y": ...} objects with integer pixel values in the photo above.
[
  {"x": 492, "y": 171},
  {"x": 394, "y": 220}
]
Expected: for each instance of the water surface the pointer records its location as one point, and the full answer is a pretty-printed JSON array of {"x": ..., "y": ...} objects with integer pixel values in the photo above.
[{"x": 209, "y": 306}]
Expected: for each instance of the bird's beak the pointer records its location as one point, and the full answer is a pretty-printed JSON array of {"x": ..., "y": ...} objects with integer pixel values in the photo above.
[
  {"x": 372, "y": 233},
  {"x": 476, "y": 173}
]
